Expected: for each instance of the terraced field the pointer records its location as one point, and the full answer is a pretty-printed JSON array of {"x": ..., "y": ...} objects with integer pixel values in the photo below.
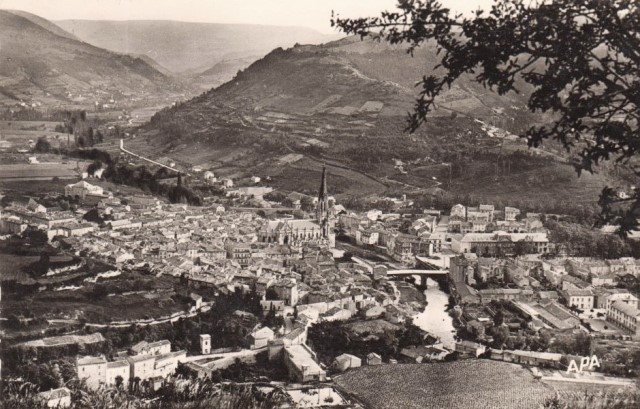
[{"x": 469, "y": 384}]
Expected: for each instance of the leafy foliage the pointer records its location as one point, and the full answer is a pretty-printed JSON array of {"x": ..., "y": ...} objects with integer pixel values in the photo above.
[{"x": 42, "y": 145}]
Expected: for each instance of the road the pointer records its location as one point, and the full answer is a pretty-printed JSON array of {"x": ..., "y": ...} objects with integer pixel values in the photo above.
[
  {"x": 135, "y": 155},
  {"x": 227, "y": 355}
]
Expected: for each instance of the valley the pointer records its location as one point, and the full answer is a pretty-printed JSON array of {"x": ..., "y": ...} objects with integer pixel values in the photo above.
[{"x": 236, "y": 215}]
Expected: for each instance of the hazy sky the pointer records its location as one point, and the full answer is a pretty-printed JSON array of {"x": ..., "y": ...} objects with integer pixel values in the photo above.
[{"x": 308, "y": 13}]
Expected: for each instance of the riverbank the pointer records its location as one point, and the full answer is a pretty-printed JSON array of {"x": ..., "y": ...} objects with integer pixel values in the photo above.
[{"x": 409, "y": 294}]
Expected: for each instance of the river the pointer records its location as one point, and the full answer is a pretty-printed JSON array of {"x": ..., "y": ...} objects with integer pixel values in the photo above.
[{"x": 435, "y": 319}]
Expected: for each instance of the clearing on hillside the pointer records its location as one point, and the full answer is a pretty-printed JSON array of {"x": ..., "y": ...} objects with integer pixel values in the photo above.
[{"x": 469, "y": 384}]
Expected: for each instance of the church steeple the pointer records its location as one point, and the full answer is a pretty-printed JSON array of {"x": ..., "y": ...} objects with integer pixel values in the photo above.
[
  {"x": 322, "y": 208},
  {"x": 322, "y": 193}
]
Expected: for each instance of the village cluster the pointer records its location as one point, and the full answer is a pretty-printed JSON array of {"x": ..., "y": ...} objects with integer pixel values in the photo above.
[{"x": 484, "y": 254}]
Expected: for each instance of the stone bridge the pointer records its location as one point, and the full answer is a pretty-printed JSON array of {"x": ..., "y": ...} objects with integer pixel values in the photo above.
[{"x": 424, "y": 274}]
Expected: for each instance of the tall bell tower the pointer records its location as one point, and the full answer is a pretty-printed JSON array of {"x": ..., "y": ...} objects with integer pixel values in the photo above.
[{"x": 322, "y": 210}]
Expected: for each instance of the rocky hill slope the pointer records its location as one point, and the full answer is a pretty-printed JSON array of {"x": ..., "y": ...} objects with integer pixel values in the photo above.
[
  {"x": 43, "y": 64},
  {"x": 345, "y": 103}
]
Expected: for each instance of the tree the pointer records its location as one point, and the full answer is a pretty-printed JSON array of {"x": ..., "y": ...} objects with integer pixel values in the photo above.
[
  {"x": 523, "y": 247},
  {"x": 94, "y": 166},
  {"x": 93, "y": 215},
  {"x": 577, "y": 59},
  {"x": 35, "y": 236},
  {"x": 271, "y": 294},
  {"x": 89, "y": 137},
  {"x": 500, "y": 336},
  {"x": 42, "y": 145},
  {"x": 498, "y": 319},
  {"x": 41, "y": 266},
  {"x": 306, "y": 203}
]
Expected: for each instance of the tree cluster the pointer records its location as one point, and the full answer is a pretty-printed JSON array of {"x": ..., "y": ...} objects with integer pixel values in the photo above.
[{"x": 582, "y": 241}]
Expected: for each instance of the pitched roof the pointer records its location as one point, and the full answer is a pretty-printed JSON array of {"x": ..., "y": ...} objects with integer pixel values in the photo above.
[
  {"x": 627, "y": 309},
  {"x": 91, "y": 360}
]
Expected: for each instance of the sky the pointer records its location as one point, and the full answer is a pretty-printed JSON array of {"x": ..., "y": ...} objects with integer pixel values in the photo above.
[{"x": 306, "y": 13}]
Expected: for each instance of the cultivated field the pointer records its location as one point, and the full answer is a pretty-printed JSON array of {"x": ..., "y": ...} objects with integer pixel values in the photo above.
[
  {"x": 39, "y": 171},
  {"x": 17, "y": 134},
  {"x": 469, "y": 384},
  {"x": 17, "y": 190}
]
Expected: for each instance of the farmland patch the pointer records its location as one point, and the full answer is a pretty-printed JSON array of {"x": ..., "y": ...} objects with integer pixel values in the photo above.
[{"x": 470, "y": 384}]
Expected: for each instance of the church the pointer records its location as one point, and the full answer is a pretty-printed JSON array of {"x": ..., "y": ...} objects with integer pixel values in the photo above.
[{"x": 296, "y": 233}]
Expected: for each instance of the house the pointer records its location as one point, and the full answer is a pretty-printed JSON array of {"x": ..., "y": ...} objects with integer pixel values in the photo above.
[
  {"x": 459, "y": 211},
  {"x": 287, "y": 291},
  {"x": 301, "y": 364},
  {"x": 153, "y": 348},
  {"x": 261, "y": 337},
  {"x": 84, "y": 190},
  {"x": 625, "y": 316},
  {"x": 422, "y": 353},
  {"x": 56, "y": 398},
  {"x": 604, "y": 280},
  {"x": 240, "y": 252},
  {"x": 197, "y": 299},
  {"x": 296, "y": 337},
  {"x": 542, "y": 359},
  {"x": 36, "y": 207},
  {"x": 500, "y": 242},
  {"x": 367, "y": 236},
  {"x": 272, "y": 305},
  {"x": 436, "y": 354},
  {"x": 93, "y": 370},
  {"x": 468, "y": 348},
  {"x": 510, "y": 213},
  {"x": 117, "y": 369},
  {"x": 142, "y": 366},
  {"x": 346, "y": 361},
  {"x": 374, "y": 311},
  {"x": 156, "y": 382},
  {"x": 413, "y": 354},
  {"x": 374, "y": 359},
  {"x": 208, "y": 175},
  {"x": 579, "y": 298},
  {"x": 556, "y": 316},
  {"x": 166, "y": 364},
  {"x": 623, "y": 296},
  {"x": 337, "y": 314},
  {"x": 205, "y": 344},
  {"x": 79, "y": 229}
]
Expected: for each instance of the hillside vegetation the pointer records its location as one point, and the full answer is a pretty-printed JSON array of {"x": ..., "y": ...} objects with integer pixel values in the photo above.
[
  {"x": 345, "y": 103},
  {"x": 43, "y": 63}
]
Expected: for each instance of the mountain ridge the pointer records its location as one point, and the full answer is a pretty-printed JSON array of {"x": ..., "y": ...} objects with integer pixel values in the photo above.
[
  {"x": 189, "y": 47},
  {"x": 52, "y": 68},
  {"x": 345, "y": 103}
]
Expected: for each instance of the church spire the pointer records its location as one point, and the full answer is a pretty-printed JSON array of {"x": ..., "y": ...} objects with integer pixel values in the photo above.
[
  {"x": 322, "y": 208},
  {"x": 322, "y": 193}
]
